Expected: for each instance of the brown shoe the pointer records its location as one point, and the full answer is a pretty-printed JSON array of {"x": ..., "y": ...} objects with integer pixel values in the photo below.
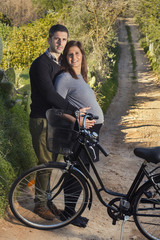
[
  {"x": 43, "y": 212},
  {"x": 54, "y": 209}
]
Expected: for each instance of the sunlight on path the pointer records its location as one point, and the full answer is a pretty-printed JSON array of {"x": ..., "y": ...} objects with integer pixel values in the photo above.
[{"x": 141, "y": 124}]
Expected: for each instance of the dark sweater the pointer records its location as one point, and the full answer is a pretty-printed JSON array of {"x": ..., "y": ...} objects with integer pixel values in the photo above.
[{"x": 43, "y": 94}]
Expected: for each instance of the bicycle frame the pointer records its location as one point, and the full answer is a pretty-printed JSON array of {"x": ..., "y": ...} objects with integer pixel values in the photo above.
[{"x": 132, "y": 190}]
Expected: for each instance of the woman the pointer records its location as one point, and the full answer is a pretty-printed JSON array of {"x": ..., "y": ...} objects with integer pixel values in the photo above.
[{"x": 72, "y": 83}]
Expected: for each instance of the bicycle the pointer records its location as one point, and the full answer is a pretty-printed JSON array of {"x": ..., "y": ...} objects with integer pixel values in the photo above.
[{"x": 67, "y": 183}]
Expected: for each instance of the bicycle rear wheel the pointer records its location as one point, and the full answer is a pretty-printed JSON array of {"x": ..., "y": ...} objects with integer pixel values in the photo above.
[
  {"x": 61, "y": 191},
  {"x": 147, "y": 211}
]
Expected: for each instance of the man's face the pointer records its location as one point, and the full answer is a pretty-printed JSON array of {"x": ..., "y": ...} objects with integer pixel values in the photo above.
[{"x": 58, "y": 42}]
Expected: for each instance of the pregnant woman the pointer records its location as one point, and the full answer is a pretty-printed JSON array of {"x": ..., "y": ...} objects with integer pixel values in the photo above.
[{"x": 72, "y": 85}]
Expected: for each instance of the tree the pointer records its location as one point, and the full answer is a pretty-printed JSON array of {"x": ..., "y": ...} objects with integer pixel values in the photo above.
[
  {"x": 45, "y": 5},
  {"x": 148, "y": 18},
  {"x": 19, "y": 11}
]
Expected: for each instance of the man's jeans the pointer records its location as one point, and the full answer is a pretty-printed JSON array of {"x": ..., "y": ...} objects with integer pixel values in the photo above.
[{"x": 38, "y": 128}]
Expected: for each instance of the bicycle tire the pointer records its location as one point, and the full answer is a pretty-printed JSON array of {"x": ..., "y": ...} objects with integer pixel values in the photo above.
[
  {"x": 22, "y": 196},
  {"x": 146, "y": 211}
]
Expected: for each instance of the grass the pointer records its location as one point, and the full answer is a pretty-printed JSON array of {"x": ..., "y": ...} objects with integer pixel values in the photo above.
[
  {"x": 109, "y": 87},
  {"x": 132, "y": 50}
]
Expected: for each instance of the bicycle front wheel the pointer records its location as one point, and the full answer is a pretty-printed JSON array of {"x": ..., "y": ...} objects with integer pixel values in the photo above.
[
  {"x": 147, "y": 211},
  {"x": 65, "y": 194}
]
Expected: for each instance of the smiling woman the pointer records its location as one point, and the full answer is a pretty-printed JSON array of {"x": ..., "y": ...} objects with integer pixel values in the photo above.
[
  {"x": 74, "y": 58},
  {"x": 72, "y": 85}
]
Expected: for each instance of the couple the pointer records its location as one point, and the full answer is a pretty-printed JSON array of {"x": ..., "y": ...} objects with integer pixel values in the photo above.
[{"x": 60, "y": 81}]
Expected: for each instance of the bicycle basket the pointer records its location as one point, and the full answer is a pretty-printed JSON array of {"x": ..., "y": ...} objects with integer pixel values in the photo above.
[{"x": 61, "y": 134}]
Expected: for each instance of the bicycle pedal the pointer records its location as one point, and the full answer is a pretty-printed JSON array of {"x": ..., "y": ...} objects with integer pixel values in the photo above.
[
  {"x": 124, "y": 205},
  {"x": 114, "y": 222}
]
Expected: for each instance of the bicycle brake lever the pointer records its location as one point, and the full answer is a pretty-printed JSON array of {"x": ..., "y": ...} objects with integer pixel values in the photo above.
[{"x": 93, "y": 152}]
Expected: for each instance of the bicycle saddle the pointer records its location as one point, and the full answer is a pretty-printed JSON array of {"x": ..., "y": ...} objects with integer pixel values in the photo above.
[{"x": 149, "y": 154}]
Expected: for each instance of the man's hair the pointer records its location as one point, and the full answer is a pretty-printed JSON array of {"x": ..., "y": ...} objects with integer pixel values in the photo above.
[{"x": 57, "y": 28}]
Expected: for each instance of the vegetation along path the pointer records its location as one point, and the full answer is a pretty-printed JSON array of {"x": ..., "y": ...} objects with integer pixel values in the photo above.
[{"x": 131, "y": 121}]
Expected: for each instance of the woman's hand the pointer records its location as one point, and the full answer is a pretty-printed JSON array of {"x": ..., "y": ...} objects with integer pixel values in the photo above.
[{"x": 88, "y": 123}]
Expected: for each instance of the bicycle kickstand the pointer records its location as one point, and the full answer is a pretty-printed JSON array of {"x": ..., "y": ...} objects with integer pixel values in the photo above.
[{"x": 124, "y": 221}]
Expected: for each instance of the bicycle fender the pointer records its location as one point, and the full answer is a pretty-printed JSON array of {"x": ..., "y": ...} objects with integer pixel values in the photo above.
[
  {"x": 156, "y": 179},
  {"x": 90, "y": 196},
  {"x": 89, "y": 188}
]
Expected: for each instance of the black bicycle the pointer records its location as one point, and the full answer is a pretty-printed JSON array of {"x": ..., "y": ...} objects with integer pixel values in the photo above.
[{"x": 69, "y": 182}]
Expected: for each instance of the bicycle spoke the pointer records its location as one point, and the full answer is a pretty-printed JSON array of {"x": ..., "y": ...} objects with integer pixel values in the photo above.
[
  {"x": 147, "y": 212},
  {"x": 67, "y": 198}
]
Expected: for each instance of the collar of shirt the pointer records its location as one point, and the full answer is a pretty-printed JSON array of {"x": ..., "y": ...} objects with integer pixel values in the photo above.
[{"x": 52, "y": 57}]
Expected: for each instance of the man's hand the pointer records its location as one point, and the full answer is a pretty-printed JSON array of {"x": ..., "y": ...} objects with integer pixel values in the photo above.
[{"x": 84, "y": 110}]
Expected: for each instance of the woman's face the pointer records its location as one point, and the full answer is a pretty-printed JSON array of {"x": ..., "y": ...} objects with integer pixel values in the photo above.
[{"x": 74, "y": 59}]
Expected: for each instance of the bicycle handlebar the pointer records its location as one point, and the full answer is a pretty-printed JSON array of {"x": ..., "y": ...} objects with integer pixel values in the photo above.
[
  {"x": 102, "y": 149},
  {"x": 89, "y": 116}
]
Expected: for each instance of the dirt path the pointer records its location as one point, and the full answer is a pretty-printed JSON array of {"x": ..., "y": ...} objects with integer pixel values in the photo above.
[{"x": 132, "y": 120}]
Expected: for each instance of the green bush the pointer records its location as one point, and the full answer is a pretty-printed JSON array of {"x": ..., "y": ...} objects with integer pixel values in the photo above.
[
  {"x": 7, "y": 176},
  {"x": 109, "y": 87},
  {"x": 148, "y": 15},
  {"x": 91, "y": 22},
  {"x": 21, "y": 154},
  {"x": 4, "y": 19},
  {"x": 30, "y": 40},
  {"x": 5, "y": 31},
  {"x": 6, "y": 171},
  {"x": 16, "y": 152}
]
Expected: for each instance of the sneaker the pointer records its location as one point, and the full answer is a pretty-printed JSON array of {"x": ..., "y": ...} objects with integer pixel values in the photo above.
[{"x": 43, "y": 212}]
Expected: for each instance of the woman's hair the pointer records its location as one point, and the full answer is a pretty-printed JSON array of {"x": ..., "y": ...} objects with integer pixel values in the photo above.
[{"x": 64, "y": 63}]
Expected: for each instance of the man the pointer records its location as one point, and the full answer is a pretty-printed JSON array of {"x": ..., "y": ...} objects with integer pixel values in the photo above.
[{"x": 43, "y": 95}]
